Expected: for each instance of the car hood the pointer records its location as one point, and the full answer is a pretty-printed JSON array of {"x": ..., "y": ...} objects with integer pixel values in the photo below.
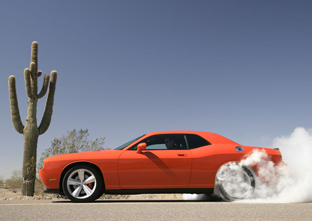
[{"x": 88, "y": 155}]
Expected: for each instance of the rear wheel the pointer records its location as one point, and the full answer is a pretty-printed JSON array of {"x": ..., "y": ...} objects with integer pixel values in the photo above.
[
  {"x": 235, "y": 181},
  {"x": 82, "y": 183}
]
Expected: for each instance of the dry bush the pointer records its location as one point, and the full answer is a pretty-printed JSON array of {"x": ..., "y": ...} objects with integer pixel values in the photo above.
[
  {"x": 1, "y": 181},
  {"x": 15, "y": 182}
]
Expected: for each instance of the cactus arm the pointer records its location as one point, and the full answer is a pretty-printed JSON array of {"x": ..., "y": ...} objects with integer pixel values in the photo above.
[
  {"x": 27, "y": 81},
  {"x": 33, "y": 71},
  {"x": 34, "y": 55},
  {"x": 15, "y": 115},
  {"x": 46, "y": 119},
  {"x": 45, "y": 86},
  {"x": 33, "y": 81}
]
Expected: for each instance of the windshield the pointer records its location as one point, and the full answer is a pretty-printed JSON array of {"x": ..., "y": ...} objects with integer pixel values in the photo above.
[{"x": 128, "y": 143}]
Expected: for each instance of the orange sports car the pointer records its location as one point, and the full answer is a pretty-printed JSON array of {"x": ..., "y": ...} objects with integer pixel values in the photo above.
[{"x": 158, "y": 162}]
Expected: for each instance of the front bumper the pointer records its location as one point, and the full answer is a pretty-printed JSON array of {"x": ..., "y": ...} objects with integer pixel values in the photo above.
[{"x": 49, "y": 176}]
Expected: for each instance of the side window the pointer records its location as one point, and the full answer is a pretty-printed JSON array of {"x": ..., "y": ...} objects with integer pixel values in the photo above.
[
  {"x": 195, "y": 141},
  {"x": 164, "y": 142}
]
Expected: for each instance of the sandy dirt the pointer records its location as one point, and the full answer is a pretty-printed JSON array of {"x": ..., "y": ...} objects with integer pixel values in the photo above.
[{"x": 7, "y": 194}]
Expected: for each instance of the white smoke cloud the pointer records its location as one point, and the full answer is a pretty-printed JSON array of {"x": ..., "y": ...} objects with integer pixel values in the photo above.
[
  {"x": 291, "y": 183},
  {"x": 283, "y": 183}
]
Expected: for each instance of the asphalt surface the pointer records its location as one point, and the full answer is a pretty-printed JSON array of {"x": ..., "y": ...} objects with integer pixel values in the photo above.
[{"x": 151, "y": 210}]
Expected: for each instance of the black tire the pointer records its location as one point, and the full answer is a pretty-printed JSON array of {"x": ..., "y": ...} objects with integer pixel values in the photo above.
[
  {"x": 235, "y": 182},
  {"x": 82, "y": 183},
  {"x": 210, "y": 198}
]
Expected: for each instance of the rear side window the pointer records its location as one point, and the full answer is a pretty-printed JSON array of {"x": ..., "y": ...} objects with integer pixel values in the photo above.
[{"x": 195, "y": 141}]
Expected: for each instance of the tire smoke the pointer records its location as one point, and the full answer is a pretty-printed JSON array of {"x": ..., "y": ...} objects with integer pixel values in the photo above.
[{"x": 290, "y": 182}]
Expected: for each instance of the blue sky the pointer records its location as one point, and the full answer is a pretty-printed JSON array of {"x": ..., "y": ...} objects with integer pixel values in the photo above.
[{"x": 126, "y": 67}]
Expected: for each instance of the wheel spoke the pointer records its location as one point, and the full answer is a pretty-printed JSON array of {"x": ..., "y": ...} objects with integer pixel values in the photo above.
[
  {"x": 77, "y": 192},
  {"x": 90, "y": 179},
  {"x": 72, "y": 181},
  {"x": 87, "y": 190},
  {"x": 81, "y": 174}
]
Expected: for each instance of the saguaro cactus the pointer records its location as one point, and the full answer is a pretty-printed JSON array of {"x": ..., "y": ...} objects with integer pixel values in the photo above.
[{"x": 31, "y": 131}]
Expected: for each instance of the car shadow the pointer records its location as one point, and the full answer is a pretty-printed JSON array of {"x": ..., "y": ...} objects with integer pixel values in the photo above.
[{"x": 140, "y": 201}]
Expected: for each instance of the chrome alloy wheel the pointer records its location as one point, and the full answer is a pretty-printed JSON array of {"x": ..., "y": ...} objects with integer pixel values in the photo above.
[
  {"x": 235, "y": 181},
  {"x": 81, "y": 183}
]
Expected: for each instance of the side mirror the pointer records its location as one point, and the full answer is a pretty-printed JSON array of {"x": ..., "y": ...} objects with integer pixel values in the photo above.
[{"x": 141, "y": 147}]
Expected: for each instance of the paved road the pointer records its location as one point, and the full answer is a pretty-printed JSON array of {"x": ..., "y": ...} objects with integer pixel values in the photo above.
[{"x": 152, "y": 210}]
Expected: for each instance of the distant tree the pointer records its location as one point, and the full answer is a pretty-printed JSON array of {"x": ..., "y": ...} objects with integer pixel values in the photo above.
[{"x": 73, "y": 142}]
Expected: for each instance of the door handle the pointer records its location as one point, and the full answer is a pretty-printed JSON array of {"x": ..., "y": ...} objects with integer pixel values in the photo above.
[{"x": 182, "y": 154}]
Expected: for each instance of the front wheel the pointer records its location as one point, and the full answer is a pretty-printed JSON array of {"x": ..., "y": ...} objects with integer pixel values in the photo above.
[
  {"x": 82, "y": 183},
  {"x": 235, "y": 182}
]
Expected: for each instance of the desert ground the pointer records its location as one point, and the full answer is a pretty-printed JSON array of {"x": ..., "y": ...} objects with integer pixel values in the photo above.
[{"x": 9, "y": 194}]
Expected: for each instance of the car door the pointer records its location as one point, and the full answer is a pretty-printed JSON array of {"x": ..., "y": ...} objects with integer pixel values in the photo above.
[{"x": 157, "y": 166}]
